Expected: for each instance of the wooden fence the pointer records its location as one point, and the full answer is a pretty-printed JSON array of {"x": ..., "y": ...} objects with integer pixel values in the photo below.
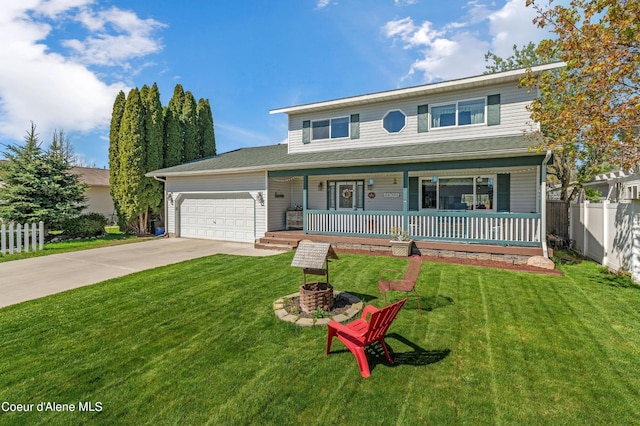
[
  {"x": 558, "y": 218},
  {"x": 18, "y": 238}
]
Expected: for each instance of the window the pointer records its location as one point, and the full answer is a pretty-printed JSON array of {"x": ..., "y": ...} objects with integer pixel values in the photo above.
[
  {"x": 443, "y": 116},
  {"x": 458, "y": 193},
  {"x": 333, "y": 128},
  {"x": 394, "y": 121},
  {"x": 461, "y": 113}
]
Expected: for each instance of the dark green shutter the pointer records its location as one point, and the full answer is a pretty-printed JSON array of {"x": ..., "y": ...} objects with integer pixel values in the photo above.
[
  {"x": 414, "y": 193},
  {"x": 306, "y": 131},
  {"x": 423, "y": 118},
  {"x": 355, "y": 126},
  {"x": 504, "y": 193},
  {"x": 493, "y": 110}
]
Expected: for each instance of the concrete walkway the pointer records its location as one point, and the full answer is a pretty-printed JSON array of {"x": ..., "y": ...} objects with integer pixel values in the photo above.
[{"x": 28, "y": 279}]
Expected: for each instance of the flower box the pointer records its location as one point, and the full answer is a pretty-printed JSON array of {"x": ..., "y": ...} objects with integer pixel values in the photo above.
[{"x": 401, "y": 248}]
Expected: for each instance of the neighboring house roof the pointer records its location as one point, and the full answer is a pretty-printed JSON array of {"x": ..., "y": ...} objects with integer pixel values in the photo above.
[
  {"x": 422, "y": 90},
  {"x": 92, "y": 176},
  {"x": 276, "y": 157},
  {"x": 88, "y": 175}
]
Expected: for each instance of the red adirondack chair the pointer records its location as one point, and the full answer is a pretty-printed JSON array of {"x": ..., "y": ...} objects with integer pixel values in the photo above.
[
  {"x": 407, "y": 283},
  {"x": 361, "y": 333}
]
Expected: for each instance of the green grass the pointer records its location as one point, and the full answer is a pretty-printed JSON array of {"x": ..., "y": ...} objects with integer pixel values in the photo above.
[
  {"x": 111, "y": 238},
  {"x": 198, "y": 343}
]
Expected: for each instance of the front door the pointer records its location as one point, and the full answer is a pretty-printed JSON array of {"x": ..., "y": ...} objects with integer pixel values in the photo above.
[{"x": 346, "y": 196}]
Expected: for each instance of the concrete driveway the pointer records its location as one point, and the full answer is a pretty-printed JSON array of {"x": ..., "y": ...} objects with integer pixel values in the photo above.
[{"x": 28, "y": 279}]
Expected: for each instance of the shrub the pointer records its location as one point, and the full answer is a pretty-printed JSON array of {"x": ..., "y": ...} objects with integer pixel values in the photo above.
[{"x": 84, "y": 226}]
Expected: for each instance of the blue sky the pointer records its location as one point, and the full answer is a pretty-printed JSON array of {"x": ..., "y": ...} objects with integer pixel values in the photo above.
[{"x": 62, "y": 62}]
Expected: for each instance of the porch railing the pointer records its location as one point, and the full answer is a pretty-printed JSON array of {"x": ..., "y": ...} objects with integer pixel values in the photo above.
[{"x": 504, "y": 228}]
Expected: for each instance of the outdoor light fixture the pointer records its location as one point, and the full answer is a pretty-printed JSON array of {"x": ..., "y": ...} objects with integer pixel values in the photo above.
[
  {"x": 170, "y": 197},
  {"x": 371, "y": 182},
  {"x": 320, "y": 187},
  {"x": 260, "y": 198}
]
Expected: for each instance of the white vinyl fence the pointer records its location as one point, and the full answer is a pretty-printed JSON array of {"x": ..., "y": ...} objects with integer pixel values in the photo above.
[
  {"x": 18, "y": 238},
  {"x": 608, "y": 233}
]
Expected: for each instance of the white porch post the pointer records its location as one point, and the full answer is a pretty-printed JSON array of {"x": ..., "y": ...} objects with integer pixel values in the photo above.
[
  {"x": 543, "y": 204},
  {"x": 305, "y": 186}
]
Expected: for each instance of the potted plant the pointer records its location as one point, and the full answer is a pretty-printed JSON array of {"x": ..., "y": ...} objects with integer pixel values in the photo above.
[{"x": 401, "y": 244}]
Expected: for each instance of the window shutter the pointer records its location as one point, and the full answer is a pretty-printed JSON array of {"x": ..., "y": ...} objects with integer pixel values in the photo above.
[
  {"x": 355, "y": 126},
  {"x": 423, "y": 118},
  {"x": 504, "y": 193},
  {"x": 414, "y": 193},
  {"x": 306, "y": 131},
  {"x": 493, "y": 110}
]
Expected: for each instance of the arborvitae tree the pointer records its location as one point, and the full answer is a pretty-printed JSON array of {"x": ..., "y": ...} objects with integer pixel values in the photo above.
[
  {"x": 38, "y": 186},
  {"x": 153, "y": 143},
  {"x": 131, "y": 181},
  {"x": 173, "y": 139},
  {"x": 189, "y": 129},
  {"x": 114, "y": 153},
  {"x": 206, "y": 135}
]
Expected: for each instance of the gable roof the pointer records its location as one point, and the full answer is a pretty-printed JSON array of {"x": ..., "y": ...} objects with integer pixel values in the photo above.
[
  {"x": 422, "y": 90},
  {"x": 88, "y": 175},
  {"x": 276, "y": 157},
  {"x": 92, "y": 176}
]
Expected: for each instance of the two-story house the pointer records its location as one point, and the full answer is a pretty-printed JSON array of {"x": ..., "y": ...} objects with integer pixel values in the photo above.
[{"x": 448, "y": 162}]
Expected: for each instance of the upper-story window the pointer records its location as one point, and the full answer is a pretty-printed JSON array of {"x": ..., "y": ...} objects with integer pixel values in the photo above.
[
  {"x": 461, "y": 113},
  {"x": 394, "y": 121},
  {"x": 332, "y": 128}
]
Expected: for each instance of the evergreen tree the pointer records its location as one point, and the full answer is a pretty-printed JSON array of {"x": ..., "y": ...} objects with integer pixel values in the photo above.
[
  {"x": 63, "y": 193},
  {"x": 114, "y": 153},
  {"x": 191, "y": 149},
  {"x": 131, "y": 181},
  {"x": 153, "y": 144},
  {"x": 206, "y": 135},
  {"x": 38, "y": 186},
  {"x": 173, "y": 139}
]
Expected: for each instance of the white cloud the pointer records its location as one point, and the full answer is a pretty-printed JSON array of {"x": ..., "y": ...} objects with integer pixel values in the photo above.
[
  {"x": 322, "y": 4},
  {"x": 132, "y": 38},
  {"x": 512, "y": 25},
  {"x": 456, "y": 49},
  {"x": 57, "y": 91},
  {"x": 402, "y": 2}
]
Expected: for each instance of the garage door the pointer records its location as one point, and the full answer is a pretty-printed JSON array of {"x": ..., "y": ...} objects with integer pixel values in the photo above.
[{"x": 229, "y": 218}]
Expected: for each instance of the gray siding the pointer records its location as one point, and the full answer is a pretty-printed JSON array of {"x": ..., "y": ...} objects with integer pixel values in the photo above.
[
  {"x": 283, "y": 195},
  {"x": 524, "y": 190},
  {"x": 513, "y": 120}
]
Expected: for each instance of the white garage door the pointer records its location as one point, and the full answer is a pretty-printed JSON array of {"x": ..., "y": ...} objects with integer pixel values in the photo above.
[{"x": 229, "y": 218}]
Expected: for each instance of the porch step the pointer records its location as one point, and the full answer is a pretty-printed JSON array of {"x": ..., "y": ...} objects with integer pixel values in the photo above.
[{"x": 275, "y": 243}]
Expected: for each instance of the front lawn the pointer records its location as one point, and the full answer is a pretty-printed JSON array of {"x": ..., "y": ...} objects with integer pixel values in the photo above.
[{"x": 198, "y": 342}]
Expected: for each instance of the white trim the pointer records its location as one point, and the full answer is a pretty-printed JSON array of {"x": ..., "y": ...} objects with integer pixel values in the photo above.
[
  {"x": 389, "y": 112},
  {"x": 424, "y": 90},
  {"x": 330, "y": 120},
  {"x": 457, "y": 125}
]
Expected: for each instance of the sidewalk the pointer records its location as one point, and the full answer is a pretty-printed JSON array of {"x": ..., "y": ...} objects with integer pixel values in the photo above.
[{"x": 28, "y": 279}]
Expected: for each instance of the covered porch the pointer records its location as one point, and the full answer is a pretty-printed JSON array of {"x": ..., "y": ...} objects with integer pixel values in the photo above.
[{"x": 491, "y": 201}]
